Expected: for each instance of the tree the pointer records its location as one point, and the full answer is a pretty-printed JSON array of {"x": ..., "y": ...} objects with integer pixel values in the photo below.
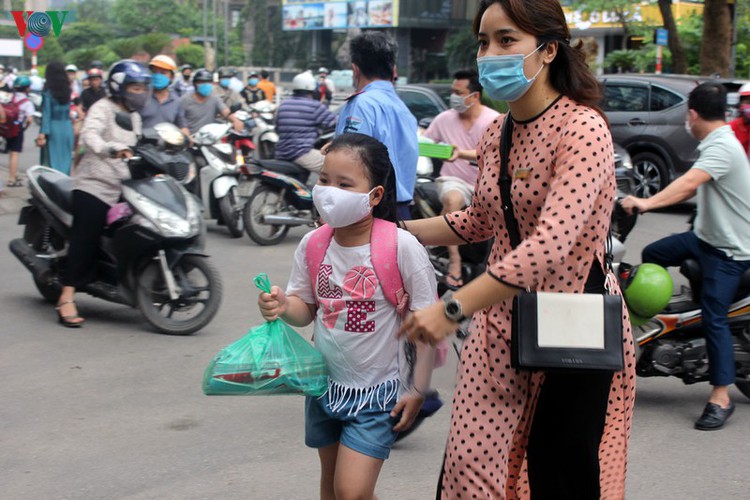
[
  {"x": 679, "y": 62},
  {"x": 136, "y": 17},
  {"x": 95, "y": 11},
  {"x": 461, "y": 48},
  {"x": 717, "y": 38},
  {"x": 84, "y": 35},
  {"x": 190, "y": 54}
]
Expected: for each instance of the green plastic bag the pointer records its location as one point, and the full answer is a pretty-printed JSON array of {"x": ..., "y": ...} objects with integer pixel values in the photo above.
[{"x": 271, "y": 359}]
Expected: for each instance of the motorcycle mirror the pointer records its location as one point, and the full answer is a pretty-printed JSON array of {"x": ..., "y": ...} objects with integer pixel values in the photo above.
[{"x": 124, "y": 121}]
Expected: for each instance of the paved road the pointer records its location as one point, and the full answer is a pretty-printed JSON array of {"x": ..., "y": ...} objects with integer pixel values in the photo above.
[{"x": 113, "y": 411}]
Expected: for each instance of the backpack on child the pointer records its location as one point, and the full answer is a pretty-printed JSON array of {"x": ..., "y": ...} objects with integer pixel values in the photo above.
[
  {"x": 11, "y": 127},
  {"x": 383, "y": 255}
]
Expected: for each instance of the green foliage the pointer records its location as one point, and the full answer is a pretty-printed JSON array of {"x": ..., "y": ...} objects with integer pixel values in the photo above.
[
  {"x": 153, "y": 43},
  {"x": 52, "y": 51},
  {"x": 95, "y": 11},
  {"x": 82, "y": 57},
  {"x": 624, "y": 61},
  {"x": 82, "y": 35},
  {"x": 499, "y": 106},
  {"x": 190, "y": 54},
  {"x": 137, "y": 17},
  {"x": 461, "y": 49}
]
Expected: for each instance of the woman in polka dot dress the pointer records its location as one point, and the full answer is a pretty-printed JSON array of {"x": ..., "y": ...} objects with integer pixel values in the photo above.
[{"x": 532, "y": 434}]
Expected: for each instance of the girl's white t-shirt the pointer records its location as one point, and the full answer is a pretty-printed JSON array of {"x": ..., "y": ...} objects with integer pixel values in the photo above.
[{"x": 355, "y": 325}]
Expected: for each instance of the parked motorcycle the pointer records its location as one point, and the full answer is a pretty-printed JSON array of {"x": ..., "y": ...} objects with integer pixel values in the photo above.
[
  {"x": 217, "y": 183},
  {"x": 151, "y": 258},
  {"x": 277, "y": 198}
]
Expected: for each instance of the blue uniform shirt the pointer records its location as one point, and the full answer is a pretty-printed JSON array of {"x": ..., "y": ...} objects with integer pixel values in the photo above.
[{"x": 377, "y": 111}]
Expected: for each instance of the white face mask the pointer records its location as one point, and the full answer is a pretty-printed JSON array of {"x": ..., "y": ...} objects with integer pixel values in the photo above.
[
  {"x": 458, "y": 102},
  {"x": 339, "y": 207}
]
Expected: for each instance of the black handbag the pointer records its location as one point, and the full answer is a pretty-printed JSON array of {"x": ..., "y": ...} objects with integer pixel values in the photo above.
[{"x": 560, "y": 331}]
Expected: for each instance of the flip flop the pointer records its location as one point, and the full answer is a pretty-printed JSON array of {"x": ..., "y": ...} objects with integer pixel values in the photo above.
[{"x": 454, "y": 282}]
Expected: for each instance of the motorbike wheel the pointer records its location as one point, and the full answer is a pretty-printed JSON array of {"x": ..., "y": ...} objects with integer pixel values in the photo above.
[
  {"x": 265, "y": 200},
  {"x": 38, "y": 234},
  {"x": 231, "y": 213},
  {"x": 200, "y": 291}
]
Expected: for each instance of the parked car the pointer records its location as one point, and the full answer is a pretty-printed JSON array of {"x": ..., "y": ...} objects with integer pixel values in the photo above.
[
  {"x": 647, "y": 117},
  {"x": 424, "y": 100}
]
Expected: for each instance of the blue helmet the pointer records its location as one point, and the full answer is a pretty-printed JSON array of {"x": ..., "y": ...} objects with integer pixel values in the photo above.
[{"x": 124, "y": 72}]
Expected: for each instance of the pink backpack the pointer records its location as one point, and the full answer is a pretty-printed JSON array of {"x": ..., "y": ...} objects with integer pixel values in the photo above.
[{"x": 383, "y": 255}]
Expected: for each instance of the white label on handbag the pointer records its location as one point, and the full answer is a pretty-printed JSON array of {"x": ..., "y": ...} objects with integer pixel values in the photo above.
[{"x": 566, "y": 320}]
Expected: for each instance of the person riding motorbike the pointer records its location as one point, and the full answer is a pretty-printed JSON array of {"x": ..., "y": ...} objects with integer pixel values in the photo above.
[
  {"x": 182, "y": 85},
  {"x": 98, "y": 178},
  {"x": 227, "y": 89},
  {"x": 252, "y": 93},
  {"x": 95, "y": 91},
  {"x": 298, "y": 121},
  {"x": 163, "y": 106},
  {"x": 202, "y": 107}
]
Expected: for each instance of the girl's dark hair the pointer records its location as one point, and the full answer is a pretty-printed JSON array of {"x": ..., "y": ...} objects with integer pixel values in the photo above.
[
  {"x": 57, "y": 82},
  {"x": 569, "y": 73},
  {"x": 374, "y": 156}
]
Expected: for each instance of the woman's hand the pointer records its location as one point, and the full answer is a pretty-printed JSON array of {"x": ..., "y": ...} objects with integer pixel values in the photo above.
[
  {"x": 429, "y": 325},
  {"x": 272, "y": 305},
  {"x": 408, "y": 406},
  {"x": 124, "y": 154},
  {"x": 41, "y": 140}
]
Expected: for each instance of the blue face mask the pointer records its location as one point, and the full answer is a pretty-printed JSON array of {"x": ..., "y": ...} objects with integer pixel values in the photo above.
[
  {"x": 204, "y": 89},
  {"x": 224, "y": 82},
  {"x": 160, "y": 81},
  {"x": 252, "y": 82},
  {"x": 503, "y": 78}
]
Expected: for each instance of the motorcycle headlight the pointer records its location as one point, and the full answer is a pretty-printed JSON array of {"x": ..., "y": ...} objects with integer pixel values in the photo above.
[{"x": 166, "y": 222}]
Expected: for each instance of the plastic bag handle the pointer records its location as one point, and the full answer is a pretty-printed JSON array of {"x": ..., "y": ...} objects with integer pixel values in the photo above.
[{"x": 262, "y": 282}]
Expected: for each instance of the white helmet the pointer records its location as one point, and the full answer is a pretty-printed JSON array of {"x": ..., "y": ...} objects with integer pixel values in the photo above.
[
  {"x": 304, "y": 81},
  {"x": 745, "y": 90},
  {"x": 323, "y": 69}
]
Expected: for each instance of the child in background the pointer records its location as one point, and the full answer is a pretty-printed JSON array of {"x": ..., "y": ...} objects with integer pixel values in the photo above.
[
  {"x": 370, "y": 398},
  {"x": 21, "y": 86}
]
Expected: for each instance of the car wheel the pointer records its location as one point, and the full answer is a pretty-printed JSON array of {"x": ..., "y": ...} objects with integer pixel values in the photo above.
[{"x": 650, "y": 174}]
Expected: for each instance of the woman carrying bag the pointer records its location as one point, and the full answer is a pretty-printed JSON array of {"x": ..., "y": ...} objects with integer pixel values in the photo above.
[{"x": 521, "y": 433}]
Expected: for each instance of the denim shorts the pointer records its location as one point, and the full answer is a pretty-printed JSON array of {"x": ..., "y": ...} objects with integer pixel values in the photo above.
[{"x": 369, "y": 431}]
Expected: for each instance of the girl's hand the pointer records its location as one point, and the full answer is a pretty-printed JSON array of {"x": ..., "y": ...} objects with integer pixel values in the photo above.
[
  {"x": 429, "y": 325},
  {"x": 408, "y": 406},
  {"x": 41, "y": 140},
  {"x": 272, "y": 305}
]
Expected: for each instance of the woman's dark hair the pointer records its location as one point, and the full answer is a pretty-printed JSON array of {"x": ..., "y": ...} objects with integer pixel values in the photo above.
[
  {"x": 374, "y": 156},
  {"x": 569, "y": 73},
  {"x": 374, "y": 53},
  {"x": 709, "y": 100},
  {"x": 57, "y": 82}
]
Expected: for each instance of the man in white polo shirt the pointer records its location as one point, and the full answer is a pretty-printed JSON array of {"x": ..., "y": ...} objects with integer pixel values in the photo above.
[{"x": 720, "y": 239}]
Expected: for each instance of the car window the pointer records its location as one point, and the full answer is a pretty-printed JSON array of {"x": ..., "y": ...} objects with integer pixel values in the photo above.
[
  {"x": 662, "y": 98},
  {"x": 623, "y": 97},
  {"x": 420, "y": 105}
]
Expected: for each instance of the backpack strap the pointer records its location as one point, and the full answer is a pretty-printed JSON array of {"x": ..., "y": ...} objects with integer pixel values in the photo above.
[
  {"x": 385, "y": 261},
  {"x": 317, "y": 246}
]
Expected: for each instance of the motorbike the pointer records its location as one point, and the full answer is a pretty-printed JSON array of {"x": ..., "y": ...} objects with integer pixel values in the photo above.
[
  {"x": 673, "y": 343},
  {"x": 217, "y": 182},
  {"x": 151, "y": 255},
  {"x": 278, "y": 197},
  {"x": 259, "y": 122}
]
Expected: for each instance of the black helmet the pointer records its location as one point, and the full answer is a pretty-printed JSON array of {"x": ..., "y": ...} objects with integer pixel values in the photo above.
[
  {"x": 96, "y": 64},
  {"x": 186, "y": 66},
  {"x": 227, "y": 72},
  {"x": 202, "y": 75}
]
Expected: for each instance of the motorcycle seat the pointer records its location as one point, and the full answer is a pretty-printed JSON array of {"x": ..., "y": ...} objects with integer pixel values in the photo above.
[
  {"x": 691, "y": 269},
  {"x": 58, "y": 188},
  {"x": 287, "y": 168}
]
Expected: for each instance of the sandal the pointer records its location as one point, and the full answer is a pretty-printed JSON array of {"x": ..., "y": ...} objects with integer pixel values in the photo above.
[
  {"x": 16, "y": 183},
  {"x": 73, "y": 321},
  {"x": 454, "y": 282}
]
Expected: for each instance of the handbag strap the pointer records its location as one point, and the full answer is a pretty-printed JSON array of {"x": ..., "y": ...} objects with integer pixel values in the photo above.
[
  {"x": 506, "y": 141},
  {"x": 506, "y": 181}
]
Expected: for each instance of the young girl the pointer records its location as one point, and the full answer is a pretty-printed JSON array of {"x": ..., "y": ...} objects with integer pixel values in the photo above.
[{"x": 368, "y": 401}]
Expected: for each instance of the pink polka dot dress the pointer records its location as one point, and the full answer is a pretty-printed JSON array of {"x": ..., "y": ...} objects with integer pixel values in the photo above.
[{"x": 563, "y": 193}]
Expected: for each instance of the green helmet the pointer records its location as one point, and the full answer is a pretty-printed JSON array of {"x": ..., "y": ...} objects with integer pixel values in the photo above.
[{"x": 647, "y": 290}]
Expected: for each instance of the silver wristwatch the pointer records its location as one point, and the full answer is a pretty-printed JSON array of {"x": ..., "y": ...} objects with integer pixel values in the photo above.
[{"x": 452, "y": 309}]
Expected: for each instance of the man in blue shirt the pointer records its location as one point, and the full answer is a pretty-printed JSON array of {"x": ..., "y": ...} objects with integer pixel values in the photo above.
[{"x": 376, "y": 110}]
